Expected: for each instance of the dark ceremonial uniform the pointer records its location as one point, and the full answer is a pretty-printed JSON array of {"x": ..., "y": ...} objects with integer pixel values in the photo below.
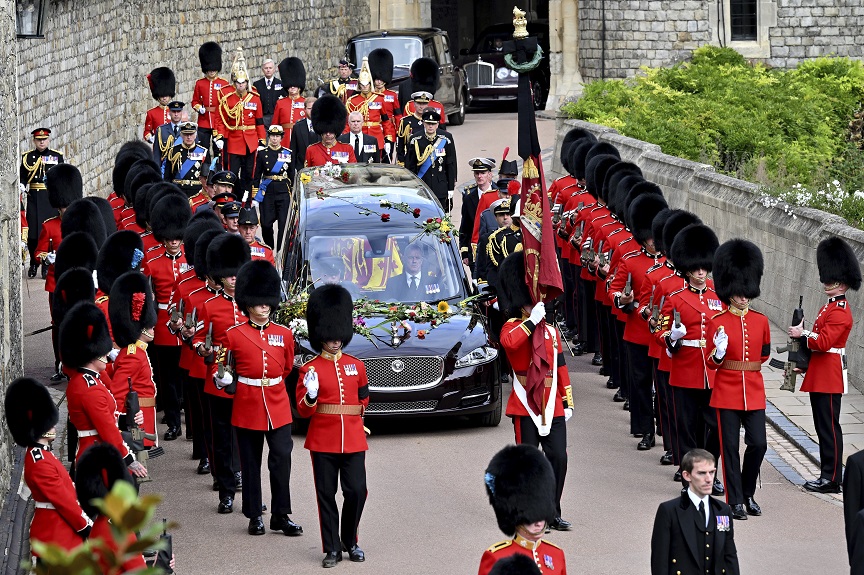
[
  {"x": 433, "y": 105},
  {"x": 185, "y": 167},
  {"x": 470, "y": 201},
  {"x": 132, "y": 362},
  {"x": 34, "y": 165},
  {"x": 318, "y": 154},
  {"x": 499, "y": 244},
  {"x": 434, "y": 162},
  {"x": 270, "y": 96},
  {"x": 271, "y": 187},
  {"x": 93, "y": 412},
  {"x": 548, "y": 557},
  {"x": 409, "y": 126},
  {"x": 166, "y": 137},
  {"x": 342, "y": 88}
]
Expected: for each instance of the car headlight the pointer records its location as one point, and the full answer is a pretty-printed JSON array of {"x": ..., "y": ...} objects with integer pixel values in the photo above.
[
  {"x": 502, "y": 73},
  {"x": 514, "y": 74},
  {"x": 483, "y": 354}
]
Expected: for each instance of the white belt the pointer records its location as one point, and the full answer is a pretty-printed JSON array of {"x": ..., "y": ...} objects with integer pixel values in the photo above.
[
  {"x": 87, "y": 433},
  {"x": 693, "y": 342},
  {"x": 265, "y": 382},
  {"x": 163, "y": 306},
  {"x": 43, "y": 505},
  {"x": 837, "y": 350}
]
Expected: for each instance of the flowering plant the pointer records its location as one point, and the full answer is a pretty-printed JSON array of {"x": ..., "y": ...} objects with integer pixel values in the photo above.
[{"x": 442, "y": 228}]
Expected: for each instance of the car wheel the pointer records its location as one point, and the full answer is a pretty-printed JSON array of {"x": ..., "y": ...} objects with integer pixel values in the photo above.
[
  {"x": 538, "y": 94},
  {"x": 458, "y": 118},
  {"x": 490, "y": 418}
]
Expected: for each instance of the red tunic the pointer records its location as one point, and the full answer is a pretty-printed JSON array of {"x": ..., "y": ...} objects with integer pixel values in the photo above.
[
  {"x": 222, "y": 311},
  {"x": 117, "y": 205},
  {"x": 50, "y": 484},
  {"x": 827, "y": 341},
  {"x": 376, "y": 121},
  {"x": 155, "y": 118},
  {"x": 163, "y": 270},
  {"x": 636, "y": 265},
  {"x": 486, "y": 199},
  {"x": 657, "y": 282},
  {"x": 749, "y": 340},
  {"x": 189, "y": 359},
  {"x": 150, "y": 243},
  {"x": 102, "y": 530},
  {"x": 342, "y": 381},
  {"x": 240, "y": 121},
  {"x": 263, "y": 358},
  {"x": 548, "y": 557},
  {"x": 49, "y": 237},
  {"x": 393, "y": 109},
  {"x": 287, "y": 113},
  {"x": 318, "y": 154},
  {"x": 206, "y": 93},
  {"x": 516, "y": 340},
  {"x": 132, "y": 362},
  {"x": 262, "y": 252},
  {"x": 198, "y": 199},
  {"x": 93, "y": 411},
  {"x": 434, "y": 104}
]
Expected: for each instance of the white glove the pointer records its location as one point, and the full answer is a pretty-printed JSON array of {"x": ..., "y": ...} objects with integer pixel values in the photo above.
[
  {"x": 220, "y": 144},
  {"x": 150, "y": 139},
  {"x": 254, "y": 204},
  {"x": 538, "y": 313},
  {"x": 721, "y": 342},
  {"x": 450, "y": 195},
  {"x": 224, "y": 381},
  {"x": 261, "y": 148},
  {"x": 568, "y": 413},
  {"x": 495, "y": 305},
  {"x": 51, "y": 257},
  {"x": 668, "y": 353},
  {"x": 387, "y": 147},
  {"x": 677, "y": 332},
  {"x": 21, "y": 187},
  {"x": 201, "y": 110},
  {"x": 310, "y": 382},
  {"x": 112, "y": 355}
]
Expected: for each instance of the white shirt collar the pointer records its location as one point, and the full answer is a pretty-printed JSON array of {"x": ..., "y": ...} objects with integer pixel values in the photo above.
[{"x": 696, "y": 500}]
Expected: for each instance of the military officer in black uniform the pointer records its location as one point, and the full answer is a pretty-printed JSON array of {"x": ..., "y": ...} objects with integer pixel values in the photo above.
[
  {"x": 271, "y": 184},
  {"x": 342, "y": 87},
  {"x": 411, "y": 124},
  {"x": 432, "y": 156},
  {"x": 188, "y": 163},
  {"x": 167, "y": 135},
  {"x": 34, "y": 164},
  {"x": 502, "y": 242},
  {"x": 482, "y": 168}
]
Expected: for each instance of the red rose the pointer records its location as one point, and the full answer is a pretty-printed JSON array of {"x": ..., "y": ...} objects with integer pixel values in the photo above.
[
  {"x": 344, "y": 177},
  {"x": 385, "y": 217},
  {"x": 437, "y": 220},
  {"x": 416, "y": 212}
]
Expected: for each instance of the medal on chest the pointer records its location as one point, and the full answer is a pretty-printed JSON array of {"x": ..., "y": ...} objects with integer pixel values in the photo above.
[
  {"x": 715, "y": 304},
  {"x": 275, "y": 340},
  {"x": 350, "y": 369}
]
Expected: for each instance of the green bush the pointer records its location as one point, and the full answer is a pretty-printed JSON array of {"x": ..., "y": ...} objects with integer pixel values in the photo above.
[{"x": 773, "y": 127}]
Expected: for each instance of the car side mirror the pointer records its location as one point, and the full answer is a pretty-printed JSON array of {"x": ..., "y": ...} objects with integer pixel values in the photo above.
[{"x": 463, "y": 52}]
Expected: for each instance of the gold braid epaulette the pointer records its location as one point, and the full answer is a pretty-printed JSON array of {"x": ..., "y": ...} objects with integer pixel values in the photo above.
[
  {"x": 164, "y": 148},
  {"x": 31, "y": 169},
  {"x": 173, "y": 160},
  {"x": 235, "y": 113},
  {"x": 426, "y": 153}
]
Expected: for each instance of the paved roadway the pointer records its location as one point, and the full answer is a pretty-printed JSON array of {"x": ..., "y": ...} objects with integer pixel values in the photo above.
[{"x": 427, "y": 511}]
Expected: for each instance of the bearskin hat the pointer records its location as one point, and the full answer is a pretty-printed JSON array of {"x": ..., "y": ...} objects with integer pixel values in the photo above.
[
  {"x": 602, "y": 148},
  {"x": 329, "y": 316},
  {"x": 258, "y": 283},
  {"x": 210, "y": 56},
  {"x": 83, "y": 335},
  {"x": 513, "y": 292},
  {"x": 642, "y": 212},
  {"x": 201, "y": 221},
  {"x": 83, "y": 216},
  {"x": 521, "y": 487},
  {"x": 30, "y": 411},
  {"x": 95, "y": 473},
  {"x": 657, "y": 229},
  {"x": 143, "y": 171},
  {"x": 131, "y": 308},
  {"x": 202, "y": 243},
  {"x": 677, "y": 221},
  {"x": 292, "y": 72},
  {"x": 162, "y": 82},
  {"x": 64, "y": 185},
  {"x": 78, "y": 249},
  {"x": 617, "y": 190},
  {"x": 595, "y": 173},
  {"x": 576, "y": 135},
  {"x": 170, "y": 216},
  {"x": 329, "y": 115},
  {"x": 147, "y": 197},
  {"x": 515, "y": 565},
  {"x": 693, "y": 248},
  {"x": 381, "y": 65},
  {"x": 122, "y": 252},
  {"x": 638, "y": 187},
  {"x": 129, "y": 153},
  {"x": 226, "y": 254},
  {"x": 74, "y": 285},
  {"x": 425, "y": 76},
  {"x": 106, "y": 211},
  {"x": 578, "y": 155},
  {"x": 838, "y": 263},
  {"x": 738, "y": 267},
  {"x": 614, "y": 175}
]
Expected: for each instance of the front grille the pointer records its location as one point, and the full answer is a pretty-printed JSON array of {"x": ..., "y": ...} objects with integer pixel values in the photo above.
[
  {"x": 403, "y": 406},
  {"x": 416, "y": 372},
  {"x": 480, "y": 74}
]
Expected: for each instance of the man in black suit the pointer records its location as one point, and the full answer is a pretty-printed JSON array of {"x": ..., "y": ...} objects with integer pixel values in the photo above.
[
  {"x": 411, "y": 284},
  {"x": 365, "y": 146},
  {"x": 693, "y": 533},
  {"x": 269, "y": 90},
  {"x": 302, "y": 136}
]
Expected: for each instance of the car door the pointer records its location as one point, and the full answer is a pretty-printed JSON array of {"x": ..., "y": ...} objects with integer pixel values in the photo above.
[{"x": 447, "y": 94}]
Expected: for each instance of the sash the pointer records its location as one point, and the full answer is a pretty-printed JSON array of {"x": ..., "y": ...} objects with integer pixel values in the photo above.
[
  {"x": 277, "y": 167},
  {"x": 430, "y": 157},
  {"x": 519, "y": 390},
  {"x": 186, "y": 167}
]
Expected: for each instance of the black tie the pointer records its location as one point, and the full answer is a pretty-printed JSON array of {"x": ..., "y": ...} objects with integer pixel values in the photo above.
[
  {"x": 414, "y": 282},
  {"x": 175, "y": 131},
  {"x": 357, "y": 146},
  {"x": 268, "y": 84},
  {"x": 702, "y": 513}
]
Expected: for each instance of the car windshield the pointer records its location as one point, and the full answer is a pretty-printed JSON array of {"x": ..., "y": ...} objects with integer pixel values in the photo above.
[
  {"x": 404, "y": 49},
  {"x": 386, "y": 265},
  {"x": 491, "y": 41}
]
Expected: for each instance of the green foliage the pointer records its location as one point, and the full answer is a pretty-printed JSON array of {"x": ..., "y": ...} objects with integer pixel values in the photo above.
[{"x": 777, "y": 128}]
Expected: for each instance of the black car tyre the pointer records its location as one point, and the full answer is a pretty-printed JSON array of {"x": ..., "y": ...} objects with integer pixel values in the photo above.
[
  {"x": 458, "y": 118},
  {"x": 539, "y": 95},
  {"x": 490, "y": 418}
]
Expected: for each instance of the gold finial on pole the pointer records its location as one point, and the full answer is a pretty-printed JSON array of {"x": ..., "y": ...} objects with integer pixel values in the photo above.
[{"x": 520, "y": 23}]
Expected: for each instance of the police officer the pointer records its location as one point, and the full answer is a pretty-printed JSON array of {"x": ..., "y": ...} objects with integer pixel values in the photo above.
[
  {"x": 482, "y": 170},
  {"x": 35, "y": 164},
  {"x": 271, "y": 184},
  {"x": 334, "y": 395},
  {"x": 187, "y": 165},
  {"x": 826, "y": 379},
  {"x": 163, "y": 87},
  {"x": 432, "y": 156},
  {"x": 168, "y": 133},
  {"x": 247, "y": 225}
]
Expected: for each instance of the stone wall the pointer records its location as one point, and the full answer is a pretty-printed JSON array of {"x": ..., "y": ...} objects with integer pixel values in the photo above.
[
  {"x": 87, "y": 79},
  {"x": 812, "y": 28},
  {"x": 734, "y": 208}
]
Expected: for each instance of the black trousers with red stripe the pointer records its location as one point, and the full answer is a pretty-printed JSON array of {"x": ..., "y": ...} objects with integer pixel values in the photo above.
[
  {"x": 329, "y": 471},
  {"x": 250, "y": 444},
  {"x": 666, "y": 415},
  {"x": 243, "y": 167},
  {"x": 554, "y": 447},
  {"x": 221, "y": 445},
  {"x": 741, "y": 479},
  {"x": 826, "y": 419},
  {"x": 696, "y": 421},
  {"x": 640, "y": 377}
]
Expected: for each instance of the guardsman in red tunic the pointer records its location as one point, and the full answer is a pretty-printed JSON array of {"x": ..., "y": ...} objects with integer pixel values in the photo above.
[
  {"x": 328, "y": 120},
  {"x": 163, "y": 86},
  {"x": 240, "y": 121},
  {"x": 122, "y": 252},
  {"x": 169, "y": 218},
  {"x": 247, "y": 225},
  {"x": 84, "y": 347},
  {"x": 426, "y": 77},
  {"x": 520, "y": 483},
  {"x": 226, "y": 253},
  {"x": 334, "y": 395},
  {"x": 826, "y": 378},
  {"x": 31, "y": 416},
  {"x": 129, "y": 153},
  {"x": 371, "y": 105},
  {"x": 292, "y": 109},
  {"x": 545, "y": 426},
  {"x": 740, "y": 344},
  {"x": 263, "y": 356},
  {"x": 205, "y": 96},
  {"x": 381, "y": 67},
  {"x": 686, "y": 342},
  {"x": 634, "y": 302}
]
